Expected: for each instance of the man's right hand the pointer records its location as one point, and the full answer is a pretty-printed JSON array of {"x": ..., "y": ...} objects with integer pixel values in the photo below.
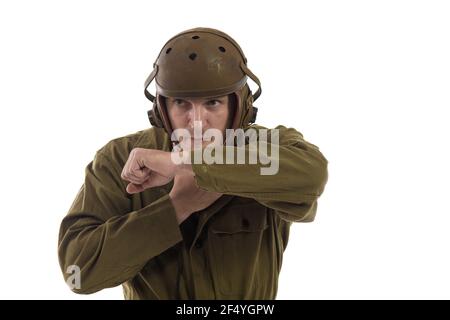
[{"x": 188, "y": 198}]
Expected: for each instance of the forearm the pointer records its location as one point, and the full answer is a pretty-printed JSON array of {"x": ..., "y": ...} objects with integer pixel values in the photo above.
[
  {"x": 290, "y": 183},
  {"x": 301, "y": 174},
  {"x": 112, "y": 252},
  {"x": 181, "y": 210}
]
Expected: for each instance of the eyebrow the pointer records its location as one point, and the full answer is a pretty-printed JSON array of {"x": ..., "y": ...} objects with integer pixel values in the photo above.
[
  {"x": 218, "y": 97},
  {"x": 205, "y": 99}
]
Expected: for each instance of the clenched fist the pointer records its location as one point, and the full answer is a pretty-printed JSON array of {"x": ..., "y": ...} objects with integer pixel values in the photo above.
[{"x": 147, "y": 168}]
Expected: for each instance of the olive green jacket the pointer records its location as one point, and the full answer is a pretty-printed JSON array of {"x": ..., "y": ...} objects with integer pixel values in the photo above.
[{"x": 231, "y": 250}]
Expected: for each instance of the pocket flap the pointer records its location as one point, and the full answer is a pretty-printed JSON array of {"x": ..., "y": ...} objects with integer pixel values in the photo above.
[{"x": 242, "y": 217}]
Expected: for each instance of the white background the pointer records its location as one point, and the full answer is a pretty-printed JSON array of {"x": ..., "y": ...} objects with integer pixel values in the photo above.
[{"x": 366, "y": 81}]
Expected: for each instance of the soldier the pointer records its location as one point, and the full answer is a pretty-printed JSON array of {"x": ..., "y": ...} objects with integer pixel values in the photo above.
[{"x": 184, "y": 230}]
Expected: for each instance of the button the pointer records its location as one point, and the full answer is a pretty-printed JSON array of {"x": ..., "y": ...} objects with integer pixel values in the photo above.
[{"x": 245, "y": 223}]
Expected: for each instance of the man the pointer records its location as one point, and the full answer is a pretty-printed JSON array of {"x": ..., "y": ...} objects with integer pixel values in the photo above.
[{"x": 171, "y": 229}]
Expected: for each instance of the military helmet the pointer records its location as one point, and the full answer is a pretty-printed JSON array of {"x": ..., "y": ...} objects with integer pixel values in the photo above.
[{"x": 202, "y": 62}]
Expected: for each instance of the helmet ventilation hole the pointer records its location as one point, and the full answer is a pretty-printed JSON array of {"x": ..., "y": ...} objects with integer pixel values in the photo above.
[
  {"x": 195, "y": 37},
  {"x": 222, "y": 49},
  {"x": 192, "y": 56},
  {"x": 168, "y": 50}
]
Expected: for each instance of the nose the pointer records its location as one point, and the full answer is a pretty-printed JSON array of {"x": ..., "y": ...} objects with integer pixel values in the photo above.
[{"x": 197, "y": 114}]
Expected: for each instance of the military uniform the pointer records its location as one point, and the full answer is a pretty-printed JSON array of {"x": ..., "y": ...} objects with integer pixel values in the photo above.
[{"x": 231, "y": 250}]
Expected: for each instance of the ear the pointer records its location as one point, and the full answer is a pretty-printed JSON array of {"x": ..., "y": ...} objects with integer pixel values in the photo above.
[
  {"x": 154, "y": 117},
  {"x": 163, "y": 114}
]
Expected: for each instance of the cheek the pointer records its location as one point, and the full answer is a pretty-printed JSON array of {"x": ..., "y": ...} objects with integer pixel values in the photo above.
[
  {"x": 220, "y": 117},
  {"x": 177, "y": 118}
]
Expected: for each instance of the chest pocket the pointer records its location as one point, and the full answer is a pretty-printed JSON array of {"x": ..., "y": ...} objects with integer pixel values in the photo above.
[
  {"x": 246, "y": 217},
  {"x": 236, "y": 239}
]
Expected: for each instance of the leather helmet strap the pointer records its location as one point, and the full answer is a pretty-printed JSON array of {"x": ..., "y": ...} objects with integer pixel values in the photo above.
[
  {"x": 255, "y": 79},
  {"x": 148, "y": 81}
]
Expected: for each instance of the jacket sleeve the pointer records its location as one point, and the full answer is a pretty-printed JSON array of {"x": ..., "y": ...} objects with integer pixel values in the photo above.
[
  {"x": 107, "y": 241},
  {"x": 292, "y": 191}
]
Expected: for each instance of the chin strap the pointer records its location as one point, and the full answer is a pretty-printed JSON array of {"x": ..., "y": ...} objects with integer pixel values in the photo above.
[
  {"x": 148, "y": 81},
  {"x": 255, "y": 79}
]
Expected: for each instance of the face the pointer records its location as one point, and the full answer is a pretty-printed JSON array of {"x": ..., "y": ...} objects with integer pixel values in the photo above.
[{"x": 211, "y": 113}]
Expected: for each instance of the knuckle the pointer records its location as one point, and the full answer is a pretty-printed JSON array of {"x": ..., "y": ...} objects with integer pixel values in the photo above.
[{"x": 137, "y": 150}]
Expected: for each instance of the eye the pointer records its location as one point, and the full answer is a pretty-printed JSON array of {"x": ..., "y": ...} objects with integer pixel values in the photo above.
[
  {"x": 178, "y": 102},
  {"x": 214, "y": 102}
]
